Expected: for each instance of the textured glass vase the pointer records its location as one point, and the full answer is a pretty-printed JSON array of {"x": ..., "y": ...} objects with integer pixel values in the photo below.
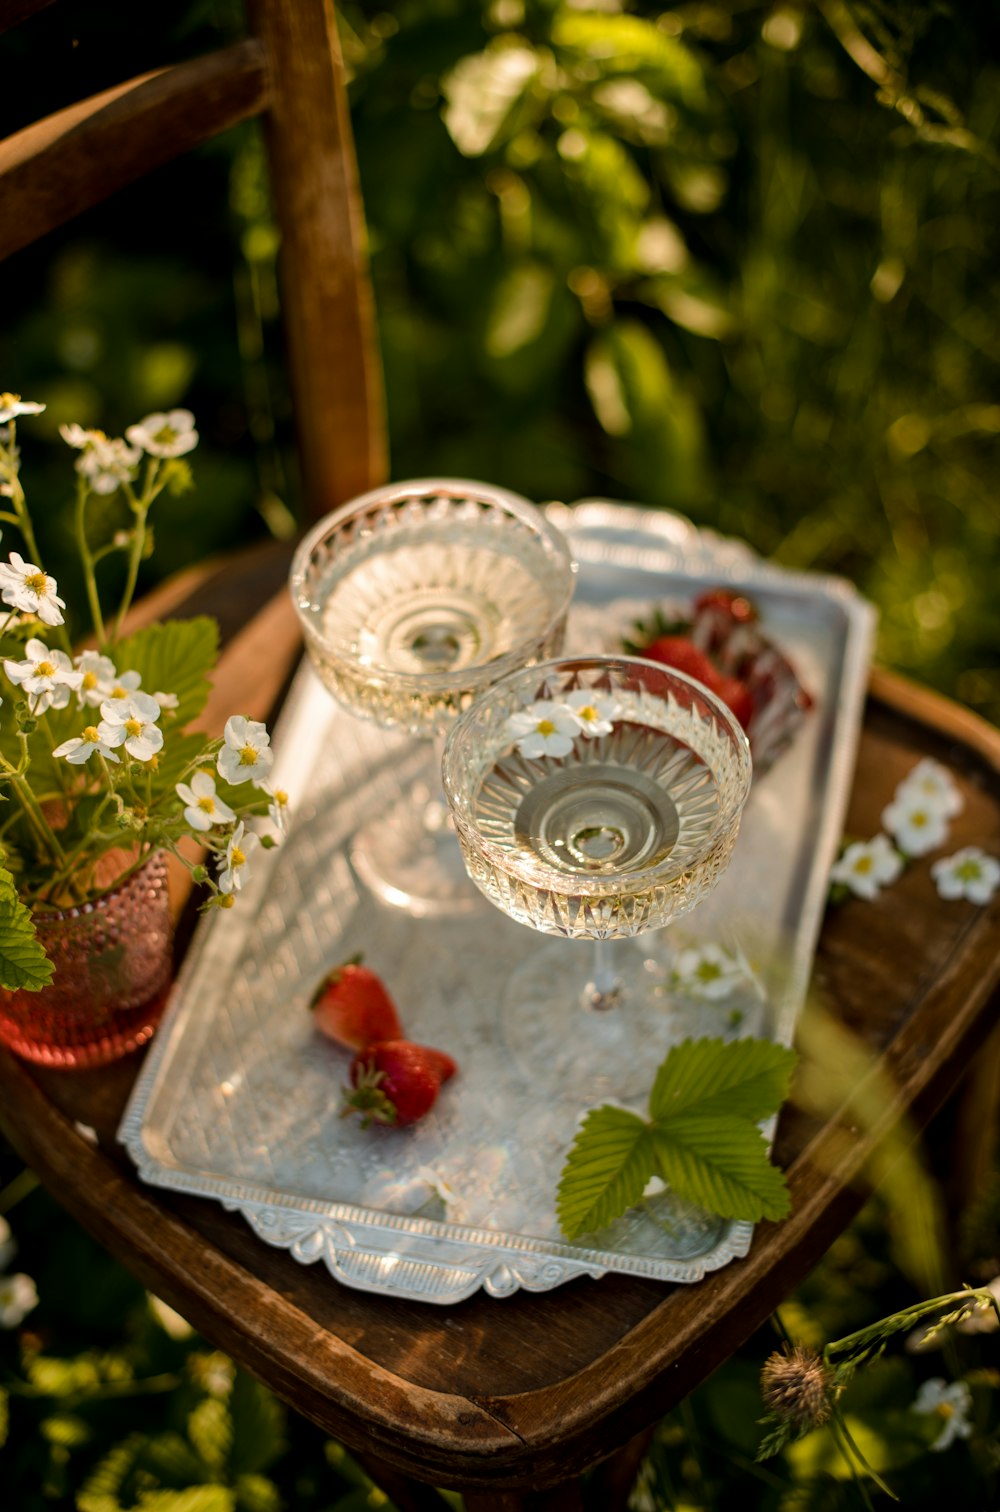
[{"x": 113, "y": 962}]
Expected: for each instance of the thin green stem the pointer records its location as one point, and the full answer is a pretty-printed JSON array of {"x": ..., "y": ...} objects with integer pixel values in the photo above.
[
  {"x": 30, "y": 805},
  {"x": 140, "y": 507},
  {"x": 843, "y": 1442},
  {"x": 840, "y": 1425},
  {"x": 866, "y": 1338},
  {"x": 17, "y": 1189},
  {"x": 87, "y": 562}
]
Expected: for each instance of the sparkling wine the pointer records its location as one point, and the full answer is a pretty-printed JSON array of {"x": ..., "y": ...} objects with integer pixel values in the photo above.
[
  {"x": 608, "y": 826},
  {"x": 434, "y": 598}
]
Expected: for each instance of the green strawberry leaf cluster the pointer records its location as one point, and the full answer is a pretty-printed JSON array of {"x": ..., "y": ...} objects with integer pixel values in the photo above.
[{"x": 702, "y": 1137}]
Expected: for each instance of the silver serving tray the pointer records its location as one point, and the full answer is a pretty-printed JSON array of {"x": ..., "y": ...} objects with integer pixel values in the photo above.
[{"x": 238, "y": 1097}]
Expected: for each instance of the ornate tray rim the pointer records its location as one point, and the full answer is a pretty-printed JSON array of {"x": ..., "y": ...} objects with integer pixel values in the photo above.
[{"x": 428, "y": 1260}]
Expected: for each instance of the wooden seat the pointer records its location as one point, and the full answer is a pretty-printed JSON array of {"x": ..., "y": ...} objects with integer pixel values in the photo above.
[{"x": 506, "y": 1401}]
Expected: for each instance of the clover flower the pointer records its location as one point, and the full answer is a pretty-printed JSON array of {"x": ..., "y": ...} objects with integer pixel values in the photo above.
[
  {"x": 544, "y": 728},
  {"x": 47, "y": 676},
  {"x": 934, "y": 785},
  {"x": 796, "y": 1387},
  {"x": 241, "y": 847},
  {"x": 131, "y": 722},
  {"x": 12, "y": 405},
  {"x": 26, "y": 587},
  {"x": 169, "y": 435},
  {"x": 98, "y": 673},
  {"x": 914, "y": 823},
  {"x": 867, "y": 866},
  {"x": 596, "y": 712},
  {"x": 969, "y": 873},
  {"x": 106, "y": 462},
  {"x": 81, "y": 747},
  {"x": 245, "y": 756},
  {"x": 709, "y": 971},
  {"x": 952, "y": 1402},
  {"x": 204, "y": 808}
]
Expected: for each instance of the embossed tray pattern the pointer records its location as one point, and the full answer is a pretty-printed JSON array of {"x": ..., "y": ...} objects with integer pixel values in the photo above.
[{"x": 238, "y": 1099}]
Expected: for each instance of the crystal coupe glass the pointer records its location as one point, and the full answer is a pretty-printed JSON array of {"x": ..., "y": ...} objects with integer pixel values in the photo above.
[
  {"x": 594, "y": 798},
  {"x": 413, "y": 599}
]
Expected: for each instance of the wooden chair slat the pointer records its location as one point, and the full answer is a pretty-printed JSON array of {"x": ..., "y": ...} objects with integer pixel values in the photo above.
[{"x": 63, "y": 165}]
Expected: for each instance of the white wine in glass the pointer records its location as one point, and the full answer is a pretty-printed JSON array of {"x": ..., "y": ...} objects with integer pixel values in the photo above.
[
  {"x": 594, "y": 798},
  {"x": 413, "y": 599}
]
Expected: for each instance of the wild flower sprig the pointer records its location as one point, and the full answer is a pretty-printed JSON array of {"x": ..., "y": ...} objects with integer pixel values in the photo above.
[
  {"x": 801, "y": 1387},
  {"x": 95, "y": 756}
]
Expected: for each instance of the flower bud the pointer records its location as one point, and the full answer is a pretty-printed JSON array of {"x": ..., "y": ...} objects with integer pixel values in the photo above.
[{"x": 796, "y": 1387}]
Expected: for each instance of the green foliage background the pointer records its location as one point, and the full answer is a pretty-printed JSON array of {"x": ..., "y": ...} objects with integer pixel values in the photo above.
[
  {"x": 734, "y": 258},
  {"x": 737, "y": 259}
]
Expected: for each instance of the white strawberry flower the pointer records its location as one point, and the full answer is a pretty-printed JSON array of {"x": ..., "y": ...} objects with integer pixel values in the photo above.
[
  {"x": 709, "y": 971},
  {"x": 125, "y": 684},
  {"x": 277, "y": 808},
  {"x": 18, "y": 1295},
  {"x": 241, "y": 847},
  {"x": 867, "y": 866},
  {"x": 916, "y": 825},
  {"x": 47, "y": 676},
  {"x": 81, "y": 747},
  {"x": 245, "y": 756},
  {"x": 169, "y": 435},
  {"x": 203, "y": 806},
  {"x": 595, "y": 711},
  {"x": 131, "y": 722},
  {"x": 934, "y": 785},
  {"x": 545, "y": 728},
  {"x": 98, "y": 678},
  {"x": 167, "y": 701},
  {"x": 106, "y": 462},
  {"x": 12, "y": 405},
  {"x": 952, "y": 1403},
  {"x": 26, "y": 587},
  {"x": 969, "y": 873}
]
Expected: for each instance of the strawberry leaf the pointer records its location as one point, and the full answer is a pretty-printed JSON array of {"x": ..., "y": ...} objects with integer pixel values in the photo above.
[
  {"x": 174, "y": 657},
  {"x": 23, "y": 962},
  {"x": 720, "y": 1164},
  {"x": 606, "y": 1170},
  {"x": 746, "y": 1078}
]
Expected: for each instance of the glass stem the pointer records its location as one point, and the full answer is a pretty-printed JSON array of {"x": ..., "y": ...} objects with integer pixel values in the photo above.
[{"x": 604, "y": 989}]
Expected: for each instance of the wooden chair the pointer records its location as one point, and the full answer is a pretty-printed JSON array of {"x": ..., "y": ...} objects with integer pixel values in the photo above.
[{"x": 506, "y": 1401}]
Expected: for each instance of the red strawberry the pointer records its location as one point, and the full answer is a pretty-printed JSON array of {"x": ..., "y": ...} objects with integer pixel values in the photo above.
[
  {"x": 396, "y": 1082},
  {"x": 352, "y": 1006},
  {"x": 683, "y": 655},
  {"x": 733, "y": 605},
  {"x": 736, "y": 694}
]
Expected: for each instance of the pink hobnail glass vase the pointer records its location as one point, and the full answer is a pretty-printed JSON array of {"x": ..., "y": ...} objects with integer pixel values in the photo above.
[{"x": 113, "y": 960}]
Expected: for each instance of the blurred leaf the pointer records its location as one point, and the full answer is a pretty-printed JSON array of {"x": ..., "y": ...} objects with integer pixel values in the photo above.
[
  {"x": 255, "y": 1493},
  {"x": 258, "y": 1426},
  {"x": 633, "y": 45},
  {"x": 484, "y": 92},
  {"x": 210, "y": 1429}
]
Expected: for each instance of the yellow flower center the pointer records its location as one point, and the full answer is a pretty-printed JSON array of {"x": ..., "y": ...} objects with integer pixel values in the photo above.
[
  {"x": 280, "y": 797},
  {"x": 588, "y": 712},
  {"x": 918, "y": 818},
  {"x": 546, "y": 727},
  {"x": 89, "y": 681},
  {"x": 945, "y": 1410},
  {"x": 968, "y": 871},
  {"x": 91, "y": 734},
  {"x": 248, "y": 755},
  {"x": 6, "y": 400},
  {"x": 45, "y": 669},
  {"x": 206, "y": 805},
  {"x": 237, "y": 858},
  {"x": 165, "y": 435},
  {"x": 133, "y": 726},
  {"x": 118, "y": 691},
  {"x": 36, "y": 582},
  {"x": 863, "y": 865}
]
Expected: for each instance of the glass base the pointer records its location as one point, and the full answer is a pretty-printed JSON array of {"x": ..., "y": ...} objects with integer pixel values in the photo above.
[
  {"x": 580, "y": 1035},
  {"x": 48, "y": 1040},
  {"x": 409, "y": 857}
]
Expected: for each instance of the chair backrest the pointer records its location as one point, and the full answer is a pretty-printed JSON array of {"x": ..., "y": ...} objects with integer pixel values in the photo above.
[{"x": 289, "y": 71}]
